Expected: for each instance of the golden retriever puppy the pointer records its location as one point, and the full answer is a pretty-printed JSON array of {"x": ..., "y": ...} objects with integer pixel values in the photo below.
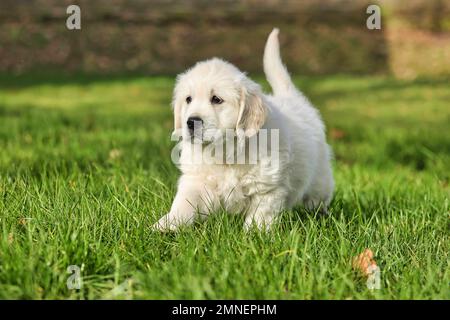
[{"x": 226, "y": 161}]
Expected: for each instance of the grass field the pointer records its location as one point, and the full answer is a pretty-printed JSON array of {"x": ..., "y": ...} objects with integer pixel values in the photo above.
[{"x": 85, "y": 170}]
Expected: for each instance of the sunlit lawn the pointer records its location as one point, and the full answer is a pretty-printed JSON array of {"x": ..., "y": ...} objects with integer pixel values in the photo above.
[{"x": 85, "y": 170}]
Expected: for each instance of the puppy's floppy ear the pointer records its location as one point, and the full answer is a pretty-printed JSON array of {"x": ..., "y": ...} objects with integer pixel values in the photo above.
[{"x": 252, "y": 112}]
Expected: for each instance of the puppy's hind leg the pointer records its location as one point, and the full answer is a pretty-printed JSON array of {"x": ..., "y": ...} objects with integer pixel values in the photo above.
[
  {"x": 319, "y": 194},
  {"x": 315, "y": 205}
]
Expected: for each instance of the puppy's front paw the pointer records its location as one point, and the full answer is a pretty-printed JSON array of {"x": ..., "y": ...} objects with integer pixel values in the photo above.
[
  {"x": 166, "y": 224},
  {"x": 172, "y": 222},
  {"x": 261, "y": 222}
]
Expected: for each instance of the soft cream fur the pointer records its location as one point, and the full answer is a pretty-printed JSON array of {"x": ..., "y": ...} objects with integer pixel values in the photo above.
[{"x": 262, "y": 190}]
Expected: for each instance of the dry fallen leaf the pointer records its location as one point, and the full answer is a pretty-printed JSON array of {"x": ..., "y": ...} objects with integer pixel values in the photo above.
[
  {"x": 362, "y": 262},
  {"x": 336, "y": 134}
]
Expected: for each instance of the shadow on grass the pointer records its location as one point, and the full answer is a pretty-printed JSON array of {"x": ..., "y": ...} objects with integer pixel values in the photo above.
[
  {"x": 375, "y": 85},
  {"x": 306, "y": 83},
  {"x": 20, "y": 81}
]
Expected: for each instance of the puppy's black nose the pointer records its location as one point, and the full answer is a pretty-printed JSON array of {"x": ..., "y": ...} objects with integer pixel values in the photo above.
[{"x": 194, "y": 121}]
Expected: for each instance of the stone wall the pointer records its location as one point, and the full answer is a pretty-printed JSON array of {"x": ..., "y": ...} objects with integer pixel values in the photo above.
[{"x": 164, "y": 37}]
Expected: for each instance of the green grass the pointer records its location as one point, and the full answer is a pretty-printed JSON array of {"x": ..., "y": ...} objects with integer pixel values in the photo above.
[{"x": 85, "y": 170}]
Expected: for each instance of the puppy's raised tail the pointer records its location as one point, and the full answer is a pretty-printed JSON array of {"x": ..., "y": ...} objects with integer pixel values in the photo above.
[{"x": 276, "y": 72}]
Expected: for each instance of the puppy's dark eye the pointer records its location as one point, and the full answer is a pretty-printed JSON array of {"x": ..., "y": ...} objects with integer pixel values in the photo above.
[
  {"x": 189, "y": 99},
  {"x": 216, "y": 100}
]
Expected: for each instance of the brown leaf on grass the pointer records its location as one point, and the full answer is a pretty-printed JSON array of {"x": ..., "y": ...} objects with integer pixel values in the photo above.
[
  {"x": 337, "y": 134},
  {"x": 362, "y": 262}
]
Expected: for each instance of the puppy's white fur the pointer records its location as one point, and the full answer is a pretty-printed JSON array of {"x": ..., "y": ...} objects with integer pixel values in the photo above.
[{"x": 261, "y": 190}]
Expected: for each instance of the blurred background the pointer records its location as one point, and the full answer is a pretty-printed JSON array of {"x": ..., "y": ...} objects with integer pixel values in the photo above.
[{"x": 166, "y": 36}]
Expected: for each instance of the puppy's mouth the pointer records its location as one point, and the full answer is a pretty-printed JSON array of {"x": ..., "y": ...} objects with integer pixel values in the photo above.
[
  {"x": 197, "y": 139},
  {"x": 202, "y": 136}
]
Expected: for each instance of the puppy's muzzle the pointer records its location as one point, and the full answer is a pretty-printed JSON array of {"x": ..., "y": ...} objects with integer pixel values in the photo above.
[{"x": 194, "y": 124}]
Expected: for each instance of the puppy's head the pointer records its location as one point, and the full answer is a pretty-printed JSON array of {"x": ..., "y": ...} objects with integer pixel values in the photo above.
[{"x": 214, "y": 96}]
